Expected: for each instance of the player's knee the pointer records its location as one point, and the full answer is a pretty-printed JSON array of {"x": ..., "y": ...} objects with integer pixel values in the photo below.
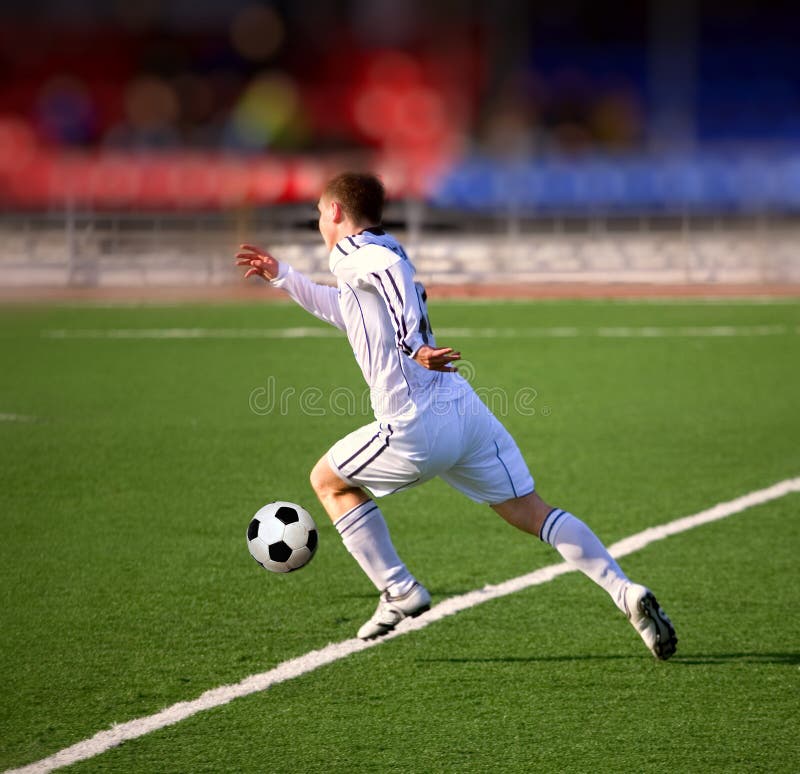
[
  {"x": 323, "y": 480},
  {"x": 317, "y": 478},
  {"x": 526, "y": 513}
]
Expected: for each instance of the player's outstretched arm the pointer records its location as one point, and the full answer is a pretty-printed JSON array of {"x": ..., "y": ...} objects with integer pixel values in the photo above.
[
  {"x": 261, "y": 263},
  {"x": 437, "y": 359},
  {"x": 320, "y": 300}
]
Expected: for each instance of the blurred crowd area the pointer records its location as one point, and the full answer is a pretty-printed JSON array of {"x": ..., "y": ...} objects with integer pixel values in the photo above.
[{"x": 204, "y": 104}]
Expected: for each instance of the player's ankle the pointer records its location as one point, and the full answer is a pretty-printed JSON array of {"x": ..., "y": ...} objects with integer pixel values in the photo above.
[{"x": 400, "y": 588}]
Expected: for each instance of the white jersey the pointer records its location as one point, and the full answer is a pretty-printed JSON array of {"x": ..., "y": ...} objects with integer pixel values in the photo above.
[{"x": 383, "y": 311}]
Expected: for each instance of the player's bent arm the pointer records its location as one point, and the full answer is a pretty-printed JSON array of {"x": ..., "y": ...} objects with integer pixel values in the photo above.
[
  {"x": 437, "y": 359},
  {"x": 320, "y": 300}
]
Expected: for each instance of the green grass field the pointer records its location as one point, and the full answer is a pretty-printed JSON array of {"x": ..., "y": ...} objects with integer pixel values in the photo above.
[{"x": 130, "y": 467}]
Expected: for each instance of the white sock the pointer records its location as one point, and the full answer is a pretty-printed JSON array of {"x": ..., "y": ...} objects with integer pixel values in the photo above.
[
  {"x": 583, "y": 550},
  {"x": 366, "y": 536}
]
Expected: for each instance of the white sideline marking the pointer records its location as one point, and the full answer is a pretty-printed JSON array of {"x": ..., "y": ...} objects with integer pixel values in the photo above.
[
  {"x": 16, "y": 418},
  {"x": 192, "y": 333},
  {"x": 296, "y": 667},
  {"x": 652, "y": 332},
  {"x": 659, "y": 332}
]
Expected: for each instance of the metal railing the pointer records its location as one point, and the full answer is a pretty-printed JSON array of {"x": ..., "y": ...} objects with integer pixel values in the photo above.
[{"x": 70, "y": 248}]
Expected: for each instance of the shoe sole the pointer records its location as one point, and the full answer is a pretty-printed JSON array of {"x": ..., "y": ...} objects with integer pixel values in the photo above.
[
  {"x": 417, "y": 612},
  {"x": 666, "y": 642}
]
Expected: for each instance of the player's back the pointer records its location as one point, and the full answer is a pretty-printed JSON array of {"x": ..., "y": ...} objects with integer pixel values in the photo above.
[{"x": 386, "y": 321}]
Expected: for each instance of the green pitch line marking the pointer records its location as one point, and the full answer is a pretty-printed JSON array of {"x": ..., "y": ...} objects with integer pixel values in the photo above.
[
  {"x": 296, "y": 667},
  {"x": 658, "y": 332}
]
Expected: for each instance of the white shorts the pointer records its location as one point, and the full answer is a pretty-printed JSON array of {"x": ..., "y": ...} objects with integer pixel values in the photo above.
[{"x": 463, "y": 443}]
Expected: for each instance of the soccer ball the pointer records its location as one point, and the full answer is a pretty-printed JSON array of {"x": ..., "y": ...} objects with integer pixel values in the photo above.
[{"x": 282, "y": 537}]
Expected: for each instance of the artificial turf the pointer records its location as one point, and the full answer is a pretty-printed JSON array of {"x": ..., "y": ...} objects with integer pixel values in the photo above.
[{"x": 130, "y": 466}]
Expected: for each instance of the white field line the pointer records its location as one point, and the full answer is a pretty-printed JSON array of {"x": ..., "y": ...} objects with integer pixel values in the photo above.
[
  {"x": 682, "y": 301},
  {"x": 296, "y": 667},
  {"x": 193, "y": 333},
  {"x": 713, "y": 331},
  {"x": 16, "y": 418}
]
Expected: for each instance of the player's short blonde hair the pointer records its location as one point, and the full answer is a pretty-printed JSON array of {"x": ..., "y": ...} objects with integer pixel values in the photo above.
[{"x": 361, "y": 196}]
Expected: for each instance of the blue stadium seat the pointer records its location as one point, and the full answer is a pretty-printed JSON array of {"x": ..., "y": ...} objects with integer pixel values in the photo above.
[{"x": 701, "y": 183}]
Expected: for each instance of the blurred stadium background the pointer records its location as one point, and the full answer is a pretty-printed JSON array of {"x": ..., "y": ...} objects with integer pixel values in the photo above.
[{"x": 634, "y": 142}]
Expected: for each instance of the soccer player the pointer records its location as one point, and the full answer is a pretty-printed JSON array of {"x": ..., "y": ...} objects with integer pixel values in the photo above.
[{"x": 428, "y": 420}]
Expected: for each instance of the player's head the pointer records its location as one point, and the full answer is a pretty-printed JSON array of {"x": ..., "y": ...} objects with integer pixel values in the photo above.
[
  {"x": 353, "y": 199},
  {"x": 360, "y": 195}
]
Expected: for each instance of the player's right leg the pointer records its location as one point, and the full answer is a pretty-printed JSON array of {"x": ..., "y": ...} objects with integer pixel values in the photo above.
[{"x": 363, "y": 529}]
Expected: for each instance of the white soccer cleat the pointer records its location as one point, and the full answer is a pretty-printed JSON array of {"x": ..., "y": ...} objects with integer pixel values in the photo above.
[
  {"x": 392, "y": 610},
  {"x": 652, "y": 623}
]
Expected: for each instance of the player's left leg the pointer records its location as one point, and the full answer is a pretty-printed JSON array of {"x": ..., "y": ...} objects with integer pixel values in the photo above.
[
  {"x": 493, "y": 471},
  {"x": 573, "y": 539},
  {"x": 581, "y": 548}
]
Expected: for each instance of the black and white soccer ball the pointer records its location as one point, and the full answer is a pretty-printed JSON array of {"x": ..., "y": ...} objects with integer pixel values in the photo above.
[{"x": 282, "y": 537}]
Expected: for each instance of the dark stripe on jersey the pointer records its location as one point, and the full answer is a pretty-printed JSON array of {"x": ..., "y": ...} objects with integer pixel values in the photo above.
[
  {"x": 403, "y": 371},
  {"x": 374, "y": 456},
  {"x": 363, "y": 448},
  {"x": 423, "y": 318},
  {"x": 341, "y": 249},
  {"x": 396, "y": 248},
  {"x": 403, "y": 486},
  {"x": 400, "y": 343},
  {"x": 402, "y": 302},
  {"x": 380, "y": 451},
  {"x": 513, "y": 489}
]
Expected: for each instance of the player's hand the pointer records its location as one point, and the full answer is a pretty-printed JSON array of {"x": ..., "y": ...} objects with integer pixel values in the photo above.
[
  {"x": 261, "y": 263},
  {"x": 437, "y": 359}
]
